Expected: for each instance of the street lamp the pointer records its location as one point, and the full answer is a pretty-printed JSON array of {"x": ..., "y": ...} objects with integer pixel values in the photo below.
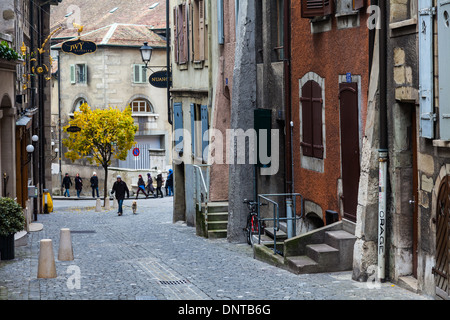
[
  {"x": 30, "y": 150},
  {"x": 35, "y": 138},
  {"x": 146, "y": 53}
]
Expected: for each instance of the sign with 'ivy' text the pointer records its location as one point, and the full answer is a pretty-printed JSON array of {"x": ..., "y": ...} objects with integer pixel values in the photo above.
[{"x": 79, "y": 47}]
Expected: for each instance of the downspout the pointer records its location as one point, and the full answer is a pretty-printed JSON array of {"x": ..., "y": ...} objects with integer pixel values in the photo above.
[
  {"x": 33, "y": 100},
  {"x": 383, "y": 149},
  {"x": 169, "y": 72},
  {"x": 289, "y": 124},
  {"x": 59, "y": 118}
]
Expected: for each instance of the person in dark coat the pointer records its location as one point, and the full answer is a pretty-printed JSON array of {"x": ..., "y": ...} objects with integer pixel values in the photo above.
[
  {"x": 150, "y": 188},
  {"x": 66, "y": 183},
  {"x": 78, "y": 184},
  {"x": 141, "y": 187},
  {"x": 169, "y": 183},
  {"x": 120, "y": 188},
  {"x": 94, "y": 184},
  {"x": 159, "y": 183}
]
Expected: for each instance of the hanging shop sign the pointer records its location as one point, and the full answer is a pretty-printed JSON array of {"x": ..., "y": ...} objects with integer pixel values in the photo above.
[
  {"x": 79, "y": 47},
  {"x": 159, "y": 79}
]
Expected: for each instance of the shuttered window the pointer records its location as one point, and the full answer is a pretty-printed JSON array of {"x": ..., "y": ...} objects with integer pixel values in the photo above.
[
  {"x": 139, "y": 73},
  {"x": 178, "y": 126},
  {"x": 317, "y": 8},
  {"x": 180, "y": 34},
  {"x": 312, "y": 138},
  {"x": 220, "y": 22},
  {"x": 426, "y": 92},
  {"x": 443, "y": 22},
  {"x": 198, "y": 30}
]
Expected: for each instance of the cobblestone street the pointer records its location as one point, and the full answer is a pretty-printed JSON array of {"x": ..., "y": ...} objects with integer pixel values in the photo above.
[{"x": 147, "y": 257}]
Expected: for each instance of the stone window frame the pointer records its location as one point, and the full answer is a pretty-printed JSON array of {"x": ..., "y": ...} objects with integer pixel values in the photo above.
[{"x": 311, "y": 163}]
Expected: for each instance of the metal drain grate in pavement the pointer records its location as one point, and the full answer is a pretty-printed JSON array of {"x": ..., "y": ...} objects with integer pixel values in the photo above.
[{"x": 173, "y": 282}]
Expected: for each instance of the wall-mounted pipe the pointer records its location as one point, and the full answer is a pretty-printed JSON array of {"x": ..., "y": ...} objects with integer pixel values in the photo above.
[{"x": 383, "y": 149}]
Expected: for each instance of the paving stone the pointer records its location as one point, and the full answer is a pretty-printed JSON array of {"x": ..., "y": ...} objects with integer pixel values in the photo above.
[{"x": 147, "y": 257}]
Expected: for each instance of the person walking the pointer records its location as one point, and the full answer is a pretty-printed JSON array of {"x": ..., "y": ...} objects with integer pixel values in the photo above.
[
  {"x": 78, "y": 184},
  {"x": 141, "y": 187},
  {"x": 169, "y": 183},
  {"x": 94, "y": 184},
  {"x": 159, "y": 183},
  {"x": 150, "y": 187},
  {"x": 120, "y": 188},
  {"x": 66, "y": 183}
]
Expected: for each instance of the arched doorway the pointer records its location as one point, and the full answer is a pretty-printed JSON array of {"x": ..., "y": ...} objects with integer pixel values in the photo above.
[{"x": 441, "y": 270}]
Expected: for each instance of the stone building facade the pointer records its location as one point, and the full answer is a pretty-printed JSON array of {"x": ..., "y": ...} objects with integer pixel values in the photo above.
[{"x": 115, "y": 76}]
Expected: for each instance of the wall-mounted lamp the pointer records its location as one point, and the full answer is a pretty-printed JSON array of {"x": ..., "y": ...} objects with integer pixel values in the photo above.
[{"x": 30, "y": 150}]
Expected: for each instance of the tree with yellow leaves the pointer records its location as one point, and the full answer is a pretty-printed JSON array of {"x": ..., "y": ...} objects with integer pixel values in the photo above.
[{"x": 103, "y": 134}]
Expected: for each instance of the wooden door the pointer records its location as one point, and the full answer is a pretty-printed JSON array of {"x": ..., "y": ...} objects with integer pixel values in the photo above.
[
  {"x": 349, "y": 118},
  {"x": 442, "y": 268}
]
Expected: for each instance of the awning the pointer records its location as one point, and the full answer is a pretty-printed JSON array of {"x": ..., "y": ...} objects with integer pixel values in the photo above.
[{"x": 24, "y": 121}]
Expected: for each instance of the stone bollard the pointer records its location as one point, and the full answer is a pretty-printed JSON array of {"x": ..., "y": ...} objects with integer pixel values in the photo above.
[
  {"x": 114, "y": 205},
  {"x": 98, "y": 205},
  {"x": 65, "y": 252},
  {"x": 107, "y": 204},
  {"x": 46, "y": 266}
]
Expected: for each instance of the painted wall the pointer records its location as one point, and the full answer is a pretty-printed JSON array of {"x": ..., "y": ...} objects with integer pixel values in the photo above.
[{"x": 328, "y": 54}]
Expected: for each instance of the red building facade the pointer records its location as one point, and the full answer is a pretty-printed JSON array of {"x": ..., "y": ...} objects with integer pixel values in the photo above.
[{"x": 330, "y": 77}]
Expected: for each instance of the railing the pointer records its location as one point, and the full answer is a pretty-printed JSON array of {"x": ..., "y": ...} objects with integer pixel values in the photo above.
[
  {"x": 276, "y": 214},
  {"x": 201, "y": 185}
]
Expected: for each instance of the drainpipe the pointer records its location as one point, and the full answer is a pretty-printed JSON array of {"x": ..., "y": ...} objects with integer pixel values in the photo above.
[
  {"x": 169, "y": 113},
  {"x": 383, "y": 150},
  {"x": 59, "y": 119},
  {"x": 289, "y": 124}
]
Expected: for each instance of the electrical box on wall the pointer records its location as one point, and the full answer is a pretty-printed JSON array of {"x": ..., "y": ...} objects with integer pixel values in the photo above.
[{"x": 32, "y": 192}]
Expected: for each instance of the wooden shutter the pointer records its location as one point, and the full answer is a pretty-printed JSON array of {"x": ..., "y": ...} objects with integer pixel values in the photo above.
[
  {"x": 443, "y": 22},
  {"x": 185, "y": 49},
  {"x": 178, "y": 124},
  {"x": 193, "y": 128},
  {"x": 201, "y": 29},
  {"x": 306, "y": 101},
  {"x": 317, "y": 120},
  {"x": 175, "y": 34},
  {"x": 312, "y": 138},
  {"x": 358, "y": 4},
  {"x": 220, "y": 22},
  {"x": 317, "y": 8},
  {"x": 205, "y": 142},
  {"x": 72, "y": 74},
  {"x": 427, "y": 117}
]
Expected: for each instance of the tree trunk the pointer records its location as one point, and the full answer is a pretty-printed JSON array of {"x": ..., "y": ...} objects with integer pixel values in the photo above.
[{"x": 105, "y": 186}]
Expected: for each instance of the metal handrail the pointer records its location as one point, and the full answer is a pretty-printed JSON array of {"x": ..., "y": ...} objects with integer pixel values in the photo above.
[
  {"x": 198, "y": 167},
  {"x": 276, "y": 215}
]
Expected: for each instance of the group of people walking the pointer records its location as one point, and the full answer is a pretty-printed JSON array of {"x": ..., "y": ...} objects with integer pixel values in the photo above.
[
  {"x": 67, "y": 183},
  {"x": 146, "y": 189}
]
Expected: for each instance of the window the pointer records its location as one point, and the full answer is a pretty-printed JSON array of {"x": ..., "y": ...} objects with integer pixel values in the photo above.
[
  {"x": 199, "y": 125},
  {"x": 180, "y": 28},
  {"x": 311, "y": 100},
  {"x": 141, "y": 106},
  {"x": 78, "y": 104},
  {"x": 198, "y": 30},
  {"x": 139, "y": 73},
  {"x": 317, "y": 8},
  {"x": 78, "y": 73}
]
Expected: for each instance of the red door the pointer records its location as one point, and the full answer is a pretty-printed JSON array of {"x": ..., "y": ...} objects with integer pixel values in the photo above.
[{"x": 348, "y": 95}]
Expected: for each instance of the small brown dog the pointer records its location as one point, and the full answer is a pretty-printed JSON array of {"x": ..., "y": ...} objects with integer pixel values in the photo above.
[{"x": 134, "y": 207}]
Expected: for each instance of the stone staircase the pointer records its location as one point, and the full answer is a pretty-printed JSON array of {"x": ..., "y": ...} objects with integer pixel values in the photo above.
[
  {"x": 214, "y": 224},
  {"x": 327, "y": 249}
]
